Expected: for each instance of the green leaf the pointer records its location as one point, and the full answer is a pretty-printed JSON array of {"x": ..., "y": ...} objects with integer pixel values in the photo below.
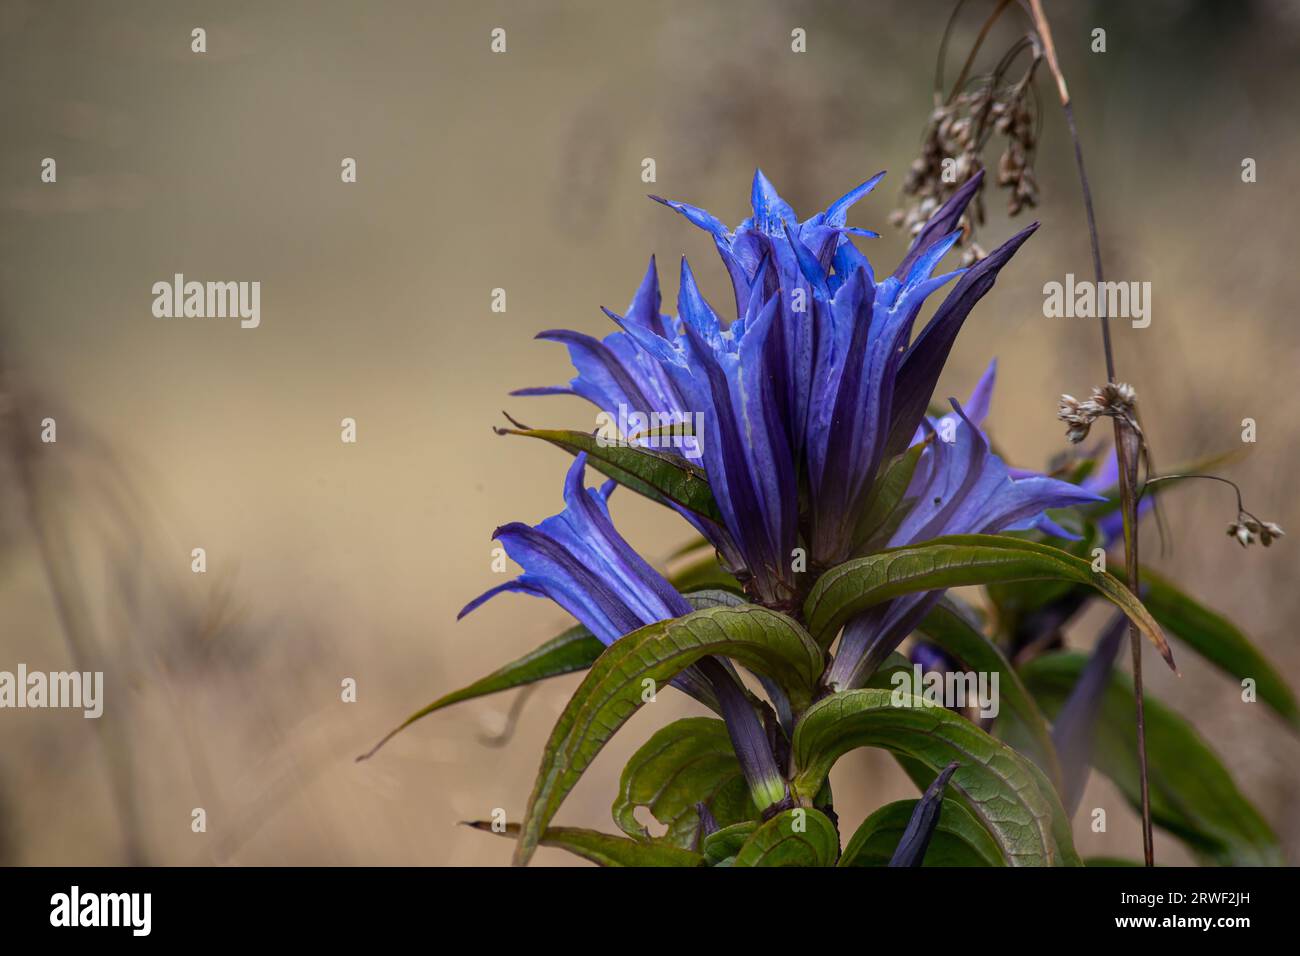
[
  {"x": 1016, "y": 600},
  {"x": 886, "y": 497},
  {"x": 798, "y": 837},
  {"x": 1192, "y": 795},
  {"x": 1007, "y": 794},
  {"x": 948, "y": 626},
  {"x": 764, "y": 641},
  {"x": 958, "y": 840},
  {"x": 845, "y": 591},
  {"x": 604, "y": 849},
  {"x": 1217, "y": 640},
  {"x": 688, "y": 762},
  {"x": 667, "y": 479},
  {"x": 714, "y": 597},
  {"x": 726, "y": 843},
  {"x": 574, "y": 650}
]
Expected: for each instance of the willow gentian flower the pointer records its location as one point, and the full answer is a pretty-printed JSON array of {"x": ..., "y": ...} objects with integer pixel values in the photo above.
[
  {"x": 814, "y": 381},
  {"x": 960, "y": 487},
  {"x": 697, "y": 368},
  {"x": 579, "y": 560},
  {"x": 854, "y": 389},
  {"x": 723, "y": 374},
  {"x": 767, "y": 240}
]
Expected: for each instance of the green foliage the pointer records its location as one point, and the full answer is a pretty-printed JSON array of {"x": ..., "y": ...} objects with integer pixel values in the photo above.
[
  {"x": 604, "y": 849},
  {"x": 1192, "y": 795},
  {"x": 951, "y": 627},
  {"x": 955, "y": 561},
  {"x": 763, "y": 640},
  {"x": 1005, "y": 792},
  {"x": 661, "y": 477},
  {"x": 797, "y": 837},
  {"x": 686, "y": 763},
  {"x": 1217, "y": 640},
  {"x": 1001, "y": 807},
  {"x": 958, "y": 840}
]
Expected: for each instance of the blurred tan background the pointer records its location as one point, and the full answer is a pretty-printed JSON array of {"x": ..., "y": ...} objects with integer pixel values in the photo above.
[{"x": 522, "y": 171}]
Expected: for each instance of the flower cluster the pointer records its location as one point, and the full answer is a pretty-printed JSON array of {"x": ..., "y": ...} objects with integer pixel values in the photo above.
[{"x": 814, "y": 385}]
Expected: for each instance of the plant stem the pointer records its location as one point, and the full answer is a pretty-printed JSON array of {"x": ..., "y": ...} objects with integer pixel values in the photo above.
[{"x": 1127, "y": 442}]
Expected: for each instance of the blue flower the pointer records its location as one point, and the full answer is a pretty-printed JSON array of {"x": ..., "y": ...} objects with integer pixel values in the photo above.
[
  {"x": 814, "y": 385},
  {"x": 724, "y": 375},
  {"x": 960, "y": 487},
  {"x": 580, "y": 561}
]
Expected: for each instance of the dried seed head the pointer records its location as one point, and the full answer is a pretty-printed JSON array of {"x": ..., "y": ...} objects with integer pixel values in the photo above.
[
  {"x": 1114, "y": 399},
  {"x": 1247, "y": 526},
  {"x": 953, "y": 141}
]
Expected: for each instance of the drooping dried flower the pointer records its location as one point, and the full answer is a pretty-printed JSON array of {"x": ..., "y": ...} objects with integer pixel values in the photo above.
[
  {"x": 1112, "y": 400},
  {"x": 1247, "y": 526},
  {"x": 952, "y": 148}
]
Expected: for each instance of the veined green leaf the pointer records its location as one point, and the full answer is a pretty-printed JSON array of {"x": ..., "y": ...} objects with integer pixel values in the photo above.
[
  {"x": 1217, "y": 640},
  {"x": 764, "y": 641},
  {"x": 667, "y": 479},
  {"x": 1017, "y": 600},
  {"x": 951, "y": 629},
  {"x": 604, "y": 849},
  {"x": 959, "y": 839},
  {"x": 845, "y": 591},
  {"x": 1007, "y": 794},
  {"x": 1192, "y": 795},
  {"x": 798, "y": 837},
  {"x": 688, "y": 762},
  {"x": 574, "y": 650},
  {"x": 724, "y": 844}
]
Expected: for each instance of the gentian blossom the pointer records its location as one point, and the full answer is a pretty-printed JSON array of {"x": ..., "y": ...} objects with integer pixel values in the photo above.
[
  {"x": 580, "y": 561},
  {"x": 960, "y": 487},
  {"x": 809, "y": 390}
]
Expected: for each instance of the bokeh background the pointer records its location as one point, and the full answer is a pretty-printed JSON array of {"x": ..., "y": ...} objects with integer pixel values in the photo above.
[{"x": 522, "y": 171}]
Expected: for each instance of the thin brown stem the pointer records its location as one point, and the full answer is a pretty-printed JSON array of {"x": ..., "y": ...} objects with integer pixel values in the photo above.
[{"x": 1128, "y": 444}]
